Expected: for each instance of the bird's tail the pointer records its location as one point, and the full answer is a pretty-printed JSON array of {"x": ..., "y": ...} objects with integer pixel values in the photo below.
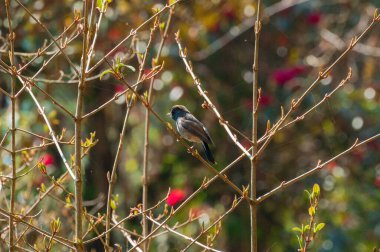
[{"x": 208, "y": 153}]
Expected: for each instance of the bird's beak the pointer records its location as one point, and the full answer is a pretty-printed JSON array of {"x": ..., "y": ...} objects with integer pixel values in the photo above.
[{"x": 168, "y": 114}]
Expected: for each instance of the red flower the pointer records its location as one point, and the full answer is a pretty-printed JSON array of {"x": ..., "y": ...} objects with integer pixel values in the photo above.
[
  {"x": 114, "y": 34},
  {"x": 331, "y": 166},
  {"x": 314, "y": 18},
  {"x": 48, "y": 159},
  {"x": 377, "y": 181},
  {"x": 265, "y": 100},
  {"x": 282, "y": 76},
  {"x": 175, "y": 196},
  {"x": 119, "y": 88}
]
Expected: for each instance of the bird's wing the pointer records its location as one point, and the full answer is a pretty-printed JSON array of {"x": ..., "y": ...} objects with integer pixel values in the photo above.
[{"x": 194, "y": 126}]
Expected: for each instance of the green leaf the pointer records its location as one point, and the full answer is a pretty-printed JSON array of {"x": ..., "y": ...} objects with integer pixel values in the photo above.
[
  {"x": 113, "y": 204},
  {"x": 319, "y": 227},
  {"x": 297, "y": 229},
  {"x": 43, "y": 187},
  {"x": 105, "y": 72},
  {"x": 162, "y": 26},
  {"x": 99, "y": 4},
  {"x": 120, "y": 65},
  {"x": 311, "y": 211},
  {"x": 316, "y": 190},
  {"x": 308, "y": 193}
]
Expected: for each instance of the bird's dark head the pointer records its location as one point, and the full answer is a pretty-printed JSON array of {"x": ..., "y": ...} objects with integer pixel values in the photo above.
[{"x": 178, "y": 111}]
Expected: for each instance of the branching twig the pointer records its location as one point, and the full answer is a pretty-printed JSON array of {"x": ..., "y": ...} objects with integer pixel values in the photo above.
[
  {"x": 325, "y": 98},
  {"x": 133, "y": 33},
  {"x": 190, "y": 149},
  {"x": 50, "y": 35},
  {"x": 182, "y": 235},
  {"x": 198, "y": 85},
  {"x": 323, "y": 74},
  {"x": 319, "y": 166},
  {"x": 235, "y": 203}
]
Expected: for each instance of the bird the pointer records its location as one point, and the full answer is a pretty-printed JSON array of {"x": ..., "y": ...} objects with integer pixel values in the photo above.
[{"x": 191, "y": 129}]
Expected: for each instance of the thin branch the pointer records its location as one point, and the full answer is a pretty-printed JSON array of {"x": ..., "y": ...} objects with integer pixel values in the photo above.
[
  {"x": 41, "y": 52},
  {"x": 131, "y": 34},
  {"x": 295, "y": 103},
  {"x": 146, "y": 141},
  {"x": 112, "y": 177},
  {"x": 40, "y": 198},
  {"x": 207, "y": 99},
  {"x": 183, "y": 236},
  {"x": 117, "y": 96},
  {"x": 78, "y": 133},
  {"x": 60, "y": 81},
  {"x": 339, "y": 44},
  {"x": 147, "y": 125},
  {"x": 313, "y": 108},
  {"x": 51, "y": 36},
  {"x": 191, "y": 150},
  {"x": 11, "y": 38},
  {"x": 235, "y": 203},
  {"x": 51, "y": 132},
  {"x": 130, "y": 216},
  {"x": 58, "y": 239},
  {"x": 126, "y": 234},
  {"x": 240, "y": 29},
  {"x": 255, "y": 104},
  {"x": 317, "y": 168}
]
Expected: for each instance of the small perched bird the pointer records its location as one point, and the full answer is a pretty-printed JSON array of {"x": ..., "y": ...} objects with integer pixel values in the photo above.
[{"x": 191, "y": 128}]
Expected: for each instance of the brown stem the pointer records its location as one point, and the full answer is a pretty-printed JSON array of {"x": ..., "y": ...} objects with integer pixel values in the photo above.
[
  {"x": 255, "y": 103},
  {"x": 78, "y": 132},
  {"x": 11, "y": 38}
]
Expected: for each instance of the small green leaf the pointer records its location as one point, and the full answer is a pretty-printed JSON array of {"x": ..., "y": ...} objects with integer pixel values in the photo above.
[
  {"x": 311, "y": 211},
  {"x": 162, "y": 26},
  {"x": 297, "y": 229},
  {"x": 43, "y": 187},
  {"x": 113, "y": 204},
  {"x": 127, "y": 66},
  {"x": 319, "y": 227},
  {"x": 307, "y": 227},
  {"x": 105, "y": 72},
  {"x": 308, "y": 193},
  {"x": 316, "y": 190},
  {"x": 68, "y": 201}
]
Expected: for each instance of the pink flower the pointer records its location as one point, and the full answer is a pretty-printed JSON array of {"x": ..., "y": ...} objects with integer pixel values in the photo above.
[
  {"x": 314, "y": 18},
  {"x": 281, "y": 76},
  {"x": 175, "y": 196},
  {"x": 48, "y": 159}
]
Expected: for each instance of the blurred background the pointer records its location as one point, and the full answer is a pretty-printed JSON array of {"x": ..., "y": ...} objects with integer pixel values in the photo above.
[{"x": 298, "y": 39}]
